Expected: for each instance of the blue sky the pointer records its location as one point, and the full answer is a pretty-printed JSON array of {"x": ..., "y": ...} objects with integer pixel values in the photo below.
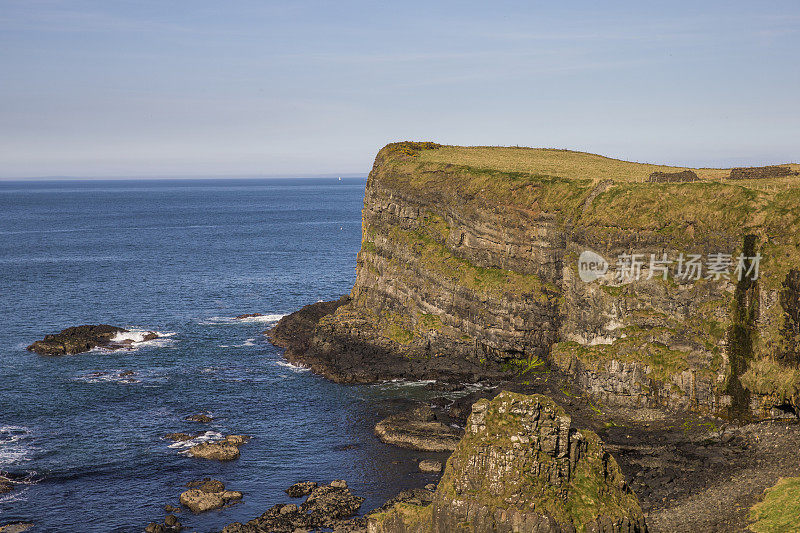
[{"x": 141, "y": 88}]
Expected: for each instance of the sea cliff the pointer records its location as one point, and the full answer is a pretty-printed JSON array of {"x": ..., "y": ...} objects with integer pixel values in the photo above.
[{"x": 469, "y": 268}]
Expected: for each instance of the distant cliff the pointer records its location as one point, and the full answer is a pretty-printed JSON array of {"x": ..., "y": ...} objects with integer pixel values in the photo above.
[{"x": 469, "y": 267}]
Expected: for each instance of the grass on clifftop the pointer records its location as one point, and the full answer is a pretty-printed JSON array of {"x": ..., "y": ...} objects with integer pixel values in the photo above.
[
  {"x": 553, "y": 162},
  {"x": 780, "y": 510}
]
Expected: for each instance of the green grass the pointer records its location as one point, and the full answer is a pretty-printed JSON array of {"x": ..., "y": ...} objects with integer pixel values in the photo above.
[
  {"x": 562, "y": 163},
  {"x": 780, "y": 510}
]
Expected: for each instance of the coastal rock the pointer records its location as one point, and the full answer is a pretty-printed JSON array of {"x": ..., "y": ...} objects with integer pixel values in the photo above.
[
  {"x": 303, "y": 488},
  {"x": 208, "y": 494},
  {"x": 200, "y": 417},
  {"x": 76, "y": 340},
  {"x": 418, "y": 429},
  {"x": 180, "y": 437},
  {"x": 429, "y": 465},
  {"x": 327, "y": 507},
  {"x": 249, "y": 315},
  {"x": 221, "y": 450},
  {"x": 17, "y": 527},
  {"x": 79, "y": 339},
  {"x": 521, "y": 466},
  {"x": 5, "y": 485}
]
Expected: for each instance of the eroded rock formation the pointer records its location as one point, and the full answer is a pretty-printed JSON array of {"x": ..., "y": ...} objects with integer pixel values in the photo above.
[{"x": 521, "y": 466}]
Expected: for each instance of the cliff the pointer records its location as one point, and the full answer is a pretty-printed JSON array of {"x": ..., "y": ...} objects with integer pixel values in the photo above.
[
  {"x": 469, "y": 267},
  {"x": 522, "y": 467}
]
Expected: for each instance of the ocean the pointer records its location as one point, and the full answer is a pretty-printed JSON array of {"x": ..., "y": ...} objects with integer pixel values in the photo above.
[{"x": 181, "y": 257}]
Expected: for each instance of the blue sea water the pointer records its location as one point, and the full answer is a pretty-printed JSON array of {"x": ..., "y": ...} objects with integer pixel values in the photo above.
[{"x": 182, "y": 257}]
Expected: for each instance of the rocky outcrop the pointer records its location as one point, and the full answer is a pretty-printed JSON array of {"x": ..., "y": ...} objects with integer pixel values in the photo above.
[
  {"x": 326, "y": 507},
  {"x": 226, "y": 449},
  {"x": 76, "y": 340},
  {"x": 79, "y": 339},
  {"x": 208, "y": 494},
  {"x": 418, "y": 429},
  {"x": 521, "y": 466},
  {"x": 303, "y": 488},
  {"x": 469, "y": 268}
]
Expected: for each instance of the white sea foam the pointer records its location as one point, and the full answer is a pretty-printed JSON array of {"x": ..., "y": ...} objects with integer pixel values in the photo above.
[
  {"x": 136, "y": 339},
  {"x": 230, "y": 320},
  {"x": 290, "y": 366},
  {"x": 15, "y": 445},
  {"x": 208, "y": 436}
]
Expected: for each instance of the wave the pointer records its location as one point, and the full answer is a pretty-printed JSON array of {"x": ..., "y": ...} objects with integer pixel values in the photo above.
[
  {"x": 292, "y": 367},
  {"x": 135, "y": 338},
  {"x": 15, "y": 445},
  {"x": 229, "y": 320},
  {"x": 208, "y": 436}
]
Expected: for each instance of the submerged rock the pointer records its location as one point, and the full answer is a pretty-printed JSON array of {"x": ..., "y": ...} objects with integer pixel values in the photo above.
[
  {"x": 522, "y": 467},
  {"x": 200, "y": 417},
  {"x": 249, "y": 315},
  {"x": 418, "y": 429},
  {"x": 221, "y": 450},
  {"x": 181, "y": 437},
  {"x": 206, "y": 495},
  {"x": 327, "y": 507}
]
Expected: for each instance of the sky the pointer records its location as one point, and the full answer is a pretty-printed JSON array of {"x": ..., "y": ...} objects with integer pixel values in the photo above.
[{"x": 251, "y": 88}]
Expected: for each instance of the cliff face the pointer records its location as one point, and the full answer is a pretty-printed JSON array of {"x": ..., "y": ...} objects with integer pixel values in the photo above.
[
  {"x": 469, "y": 267},
  {"x": 522, "y": 467}
]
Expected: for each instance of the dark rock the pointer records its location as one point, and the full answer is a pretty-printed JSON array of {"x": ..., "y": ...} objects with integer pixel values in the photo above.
[
  {"x": 327, "y": 507},
  {"x": 418, "y": 429},
  {"x": 199, "y": 418},
  {"x": 76, "y": 340},
  {"x": 180, "y": 437},
  {"x": 249, "y": 315},
  {"x": 303, "y": 488}
]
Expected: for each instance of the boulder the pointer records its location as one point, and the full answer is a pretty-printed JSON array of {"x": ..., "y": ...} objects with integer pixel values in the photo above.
[
  {"x": 418, "y": 429},
  {"x": 221, "y": 450},
  {"x": 429, "y": 465},
  {"x": 521, "y": 466},
  {"x": 208, "y": 494},
  {"x": 249, "y": 315},
  {"x": 303, "y": 488}
]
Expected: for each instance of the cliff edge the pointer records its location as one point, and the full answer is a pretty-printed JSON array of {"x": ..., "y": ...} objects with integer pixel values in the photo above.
[{"x": 482, "y": 261}]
